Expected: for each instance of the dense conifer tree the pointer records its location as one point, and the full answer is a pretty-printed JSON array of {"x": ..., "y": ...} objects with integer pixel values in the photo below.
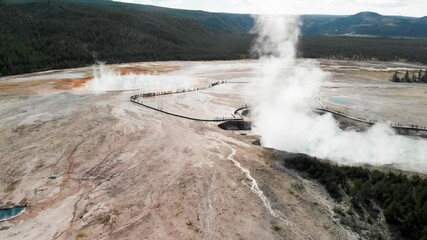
[
  {"x": 395, "y": 77},
  {"x": 406, "y": 78}
]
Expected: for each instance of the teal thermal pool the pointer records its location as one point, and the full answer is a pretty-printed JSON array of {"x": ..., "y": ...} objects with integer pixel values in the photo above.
[
  {"x": 339, "y": 100},
  {"x": 9, "y": 213}
]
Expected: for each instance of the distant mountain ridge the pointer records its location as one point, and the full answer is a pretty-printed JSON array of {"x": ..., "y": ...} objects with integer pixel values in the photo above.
[{"x": 365, "y": 24}]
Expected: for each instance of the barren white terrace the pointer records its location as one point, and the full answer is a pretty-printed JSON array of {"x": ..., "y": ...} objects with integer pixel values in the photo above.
[{"x": 89, "y": 163}]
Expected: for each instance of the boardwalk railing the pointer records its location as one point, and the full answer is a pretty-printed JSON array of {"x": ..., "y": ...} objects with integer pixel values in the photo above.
[
  {"x": 368, "y": 121},
  {"x": 162, "y": 93},
  {"x": 137, "y": 100}
]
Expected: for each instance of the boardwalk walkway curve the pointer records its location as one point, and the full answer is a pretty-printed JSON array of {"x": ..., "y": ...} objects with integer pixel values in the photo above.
[{"x": 137, "y": 100}]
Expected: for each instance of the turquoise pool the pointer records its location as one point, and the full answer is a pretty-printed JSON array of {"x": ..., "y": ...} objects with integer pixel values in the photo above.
[
  {"x": 339, "y": 100},
  {"x": 9, "y": 213}
]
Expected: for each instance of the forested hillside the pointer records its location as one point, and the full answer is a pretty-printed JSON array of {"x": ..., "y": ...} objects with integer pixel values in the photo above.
[
  {"x": 49, "y": 34},
  {"x": 61, "y": 34},
  {"x": 360, "y": 49}
]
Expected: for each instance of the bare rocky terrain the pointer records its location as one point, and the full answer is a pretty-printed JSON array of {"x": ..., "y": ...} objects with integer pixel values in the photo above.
[{"x": 90, "y": 164}]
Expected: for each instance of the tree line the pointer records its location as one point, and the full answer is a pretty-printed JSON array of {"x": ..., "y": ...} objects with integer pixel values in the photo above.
[
  {"x": 418, "y": 77},
  {"x": 364, "y": 49},
  {"x": 403, "y": 199}
]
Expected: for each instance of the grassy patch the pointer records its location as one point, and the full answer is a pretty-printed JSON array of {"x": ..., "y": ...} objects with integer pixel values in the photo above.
[
  {"x": 81, "y": 235},
  {"x": 12, "y": 186},
  {"x": 298, "y": 186},
  {"x": 277, "y": 228}
]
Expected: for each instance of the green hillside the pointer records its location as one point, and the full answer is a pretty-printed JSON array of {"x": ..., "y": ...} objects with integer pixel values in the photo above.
[
  {"x": 49, "y": 34},
  {"x": 362, "y": 49},
  {"x": 70, "y": 33}
]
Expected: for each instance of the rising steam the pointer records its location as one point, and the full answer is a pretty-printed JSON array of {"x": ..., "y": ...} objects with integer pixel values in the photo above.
[
  {"x": 285, "y": 92},
  {"x": 107, "y": 79}
]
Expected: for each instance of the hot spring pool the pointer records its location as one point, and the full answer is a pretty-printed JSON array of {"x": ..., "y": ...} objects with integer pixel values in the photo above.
[
  {"x": 339, "y": 100},
  {"x": 9, "y": 213}
]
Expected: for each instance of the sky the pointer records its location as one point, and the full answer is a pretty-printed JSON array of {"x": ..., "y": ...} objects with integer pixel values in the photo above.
[{"x": 415, "y": 8}]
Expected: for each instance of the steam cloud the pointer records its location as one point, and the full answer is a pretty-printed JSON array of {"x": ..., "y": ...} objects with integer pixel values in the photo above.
[
  {"x": 106, "y": 79},
  {"x": 285, "y": 92}
]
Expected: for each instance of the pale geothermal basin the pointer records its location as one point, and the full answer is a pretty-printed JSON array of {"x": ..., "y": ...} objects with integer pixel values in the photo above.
[{"x": 92, "y": 165}]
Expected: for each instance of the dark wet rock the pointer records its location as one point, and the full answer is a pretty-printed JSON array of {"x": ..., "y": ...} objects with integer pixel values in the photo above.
[
  {"x": 257, "y": 142},
  {"x": 246, "y": 112},
  {"x": 234, "y": 125}
]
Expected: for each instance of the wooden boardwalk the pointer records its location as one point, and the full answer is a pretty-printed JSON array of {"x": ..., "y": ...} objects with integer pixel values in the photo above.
[
  {"x": 324, "y": 108},
  {"x": 137, "y": 99}
]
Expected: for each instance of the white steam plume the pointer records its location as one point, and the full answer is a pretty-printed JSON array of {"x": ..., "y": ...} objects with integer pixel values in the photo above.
[
  {"x": 284, "y": 94},
  {"x": 107, "y": 79}
]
